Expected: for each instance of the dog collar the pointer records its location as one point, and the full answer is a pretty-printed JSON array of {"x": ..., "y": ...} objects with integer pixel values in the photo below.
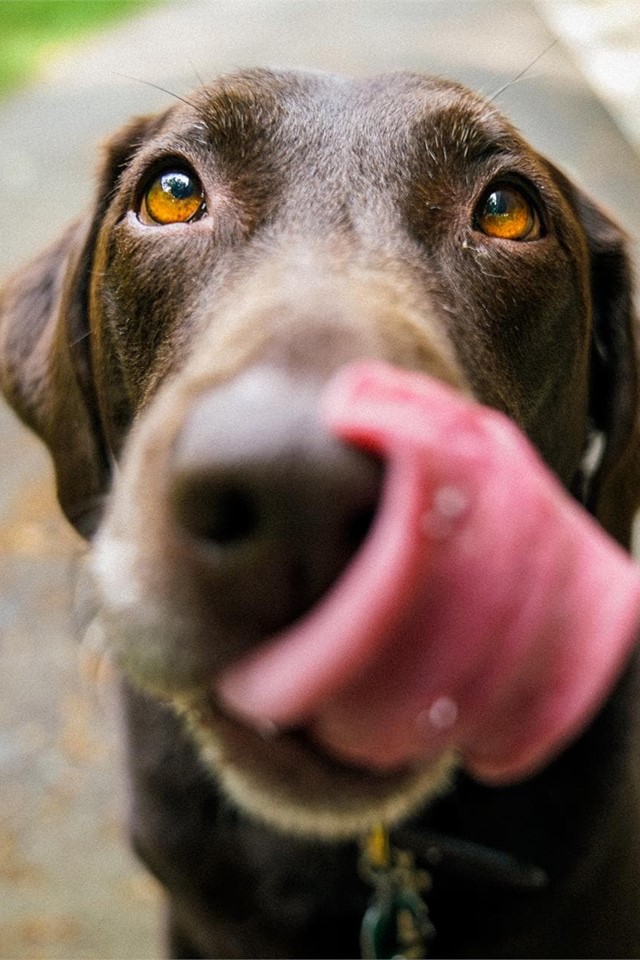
[{"x": 396, "y": 923}]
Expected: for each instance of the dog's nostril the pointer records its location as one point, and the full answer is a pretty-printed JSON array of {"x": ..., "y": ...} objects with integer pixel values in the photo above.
[
  {"x": 227, "y": 514},
  {"x": 233, "y": 517},
  {"x": 222, "y": 514}
]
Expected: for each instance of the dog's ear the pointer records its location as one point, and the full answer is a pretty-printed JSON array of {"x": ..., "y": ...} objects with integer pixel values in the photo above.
[
  {"x": 613, "y": 493},
  {"x": 45, "y": 355}
]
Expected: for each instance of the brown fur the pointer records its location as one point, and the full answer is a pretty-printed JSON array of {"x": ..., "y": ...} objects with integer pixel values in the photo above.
[{"x": 340, "y": 225}]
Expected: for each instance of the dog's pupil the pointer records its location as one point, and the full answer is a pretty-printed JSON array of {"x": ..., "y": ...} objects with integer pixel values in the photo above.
[
  {"x": 179, "y": 185},
  {"x": 499, "y": 204}
]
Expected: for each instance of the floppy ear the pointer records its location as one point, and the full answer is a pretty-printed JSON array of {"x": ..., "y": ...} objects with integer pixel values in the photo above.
[
  {"x": 614, "y": 489},
  {"x": 45, "y": 356}
]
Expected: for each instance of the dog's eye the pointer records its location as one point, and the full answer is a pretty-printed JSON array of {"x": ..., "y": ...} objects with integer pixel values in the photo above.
[
  {"x": 506, "y": 213},
  {"x": 174, "y": 196}
]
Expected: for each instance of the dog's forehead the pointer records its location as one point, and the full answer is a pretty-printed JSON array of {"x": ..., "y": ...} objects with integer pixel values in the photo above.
[{"x": 387, "y": 112}]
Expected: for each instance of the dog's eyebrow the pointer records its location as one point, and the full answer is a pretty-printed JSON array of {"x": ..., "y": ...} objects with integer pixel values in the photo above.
[
  {"x": 239, "y": 113},
  {"x": 236, "y": 121},
  {"x": 176, "y": 143},
  {"x": 475, "y": 132}
]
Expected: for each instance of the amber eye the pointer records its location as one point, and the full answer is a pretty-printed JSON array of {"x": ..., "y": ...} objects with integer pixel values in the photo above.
[
  {"x": 506, "y": 213},
  {"x": 175, "y": 196}
]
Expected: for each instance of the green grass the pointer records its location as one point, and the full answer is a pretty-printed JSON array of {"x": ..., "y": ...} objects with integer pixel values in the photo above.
[{"x": 29, "y": 29}]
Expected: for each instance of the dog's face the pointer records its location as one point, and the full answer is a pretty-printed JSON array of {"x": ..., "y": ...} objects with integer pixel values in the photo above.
[{"x": 245, "y": 246}]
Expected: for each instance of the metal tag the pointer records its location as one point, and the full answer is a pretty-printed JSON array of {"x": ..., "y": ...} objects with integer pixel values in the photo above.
[{"x": 396, "y": 923}]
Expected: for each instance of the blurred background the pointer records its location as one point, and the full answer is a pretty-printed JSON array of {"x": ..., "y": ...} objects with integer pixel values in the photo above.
[{"x": 71, "y": 71}]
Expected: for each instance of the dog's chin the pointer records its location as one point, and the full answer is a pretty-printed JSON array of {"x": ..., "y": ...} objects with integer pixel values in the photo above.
[{"x": 288, "y": 783}]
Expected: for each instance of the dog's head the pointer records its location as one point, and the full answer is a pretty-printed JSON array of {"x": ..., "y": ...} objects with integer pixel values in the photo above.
[{"x": 243, "y": 247}]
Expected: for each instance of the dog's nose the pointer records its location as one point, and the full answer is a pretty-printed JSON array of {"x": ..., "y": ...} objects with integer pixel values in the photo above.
[{"x": 273, "y": 506}]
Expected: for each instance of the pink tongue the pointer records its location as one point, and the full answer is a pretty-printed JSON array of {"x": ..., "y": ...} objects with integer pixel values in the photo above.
[{"x": 486, "y": 611}]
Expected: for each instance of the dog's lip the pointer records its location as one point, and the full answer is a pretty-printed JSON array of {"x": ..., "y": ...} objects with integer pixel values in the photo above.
[
  {"x": 299, "y": 742},
  {"x": 305, "y": 739},
  {"x": 529, "y": 615}
]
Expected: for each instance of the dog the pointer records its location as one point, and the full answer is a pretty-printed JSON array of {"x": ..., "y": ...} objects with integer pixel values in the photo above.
[{"x": 244, "y": 245}]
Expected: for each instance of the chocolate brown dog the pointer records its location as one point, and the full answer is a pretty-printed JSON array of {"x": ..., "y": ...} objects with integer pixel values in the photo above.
[{"x": 246, "y": 244}]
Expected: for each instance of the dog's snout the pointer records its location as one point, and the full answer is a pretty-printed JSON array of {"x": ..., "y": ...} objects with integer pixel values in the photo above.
[{"x": 273, "y": 503}]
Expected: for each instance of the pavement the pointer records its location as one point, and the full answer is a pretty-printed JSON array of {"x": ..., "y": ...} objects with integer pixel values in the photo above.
[{"x": 69, "y": 887}]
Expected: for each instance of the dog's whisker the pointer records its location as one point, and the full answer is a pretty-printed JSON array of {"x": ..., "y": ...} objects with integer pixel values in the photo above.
[
  {"x": 519, "y": 76},
  {"x": 157, "y": 86},
  {"x": 83, "y": 336}
]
